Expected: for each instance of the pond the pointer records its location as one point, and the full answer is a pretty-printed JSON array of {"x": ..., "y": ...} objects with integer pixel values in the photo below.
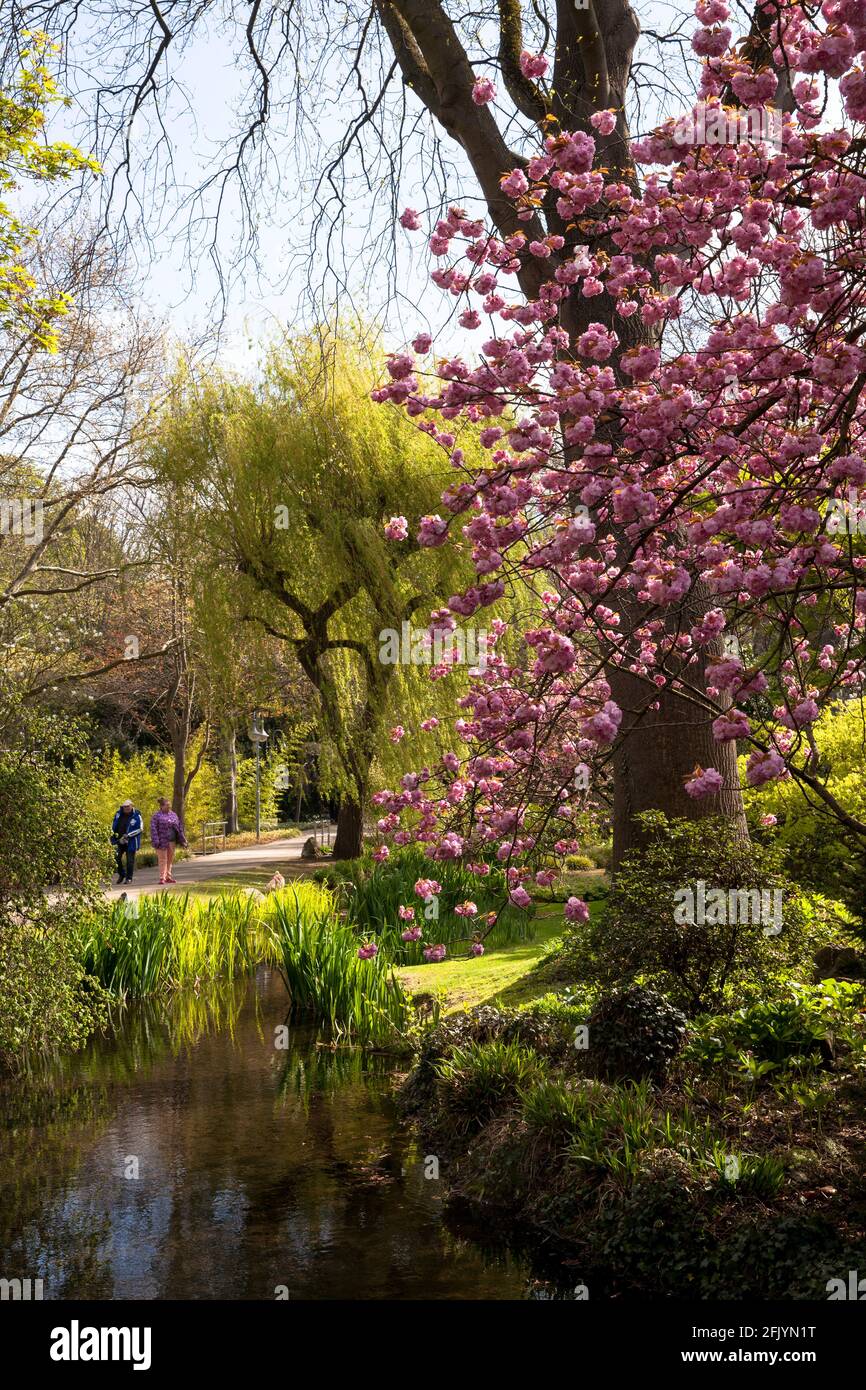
[{"x": 202, "y": 1150}]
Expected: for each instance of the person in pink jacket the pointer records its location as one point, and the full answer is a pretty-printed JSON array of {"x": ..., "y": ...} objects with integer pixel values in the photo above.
[{"x": 166, "y": 832}]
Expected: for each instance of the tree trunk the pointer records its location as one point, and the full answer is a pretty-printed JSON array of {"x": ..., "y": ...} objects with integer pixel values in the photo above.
[
  {"x": 178, "y": 790},
  {"x": 230, "y": 774},
  {"x": 348, "y": 841},
  {"x": 659, "y": 749}
]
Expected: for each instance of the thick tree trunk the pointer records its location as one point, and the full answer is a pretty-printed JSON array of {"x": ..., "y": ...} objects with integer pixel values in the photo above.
[
  {"x": 348, "y": 841},
  {"x": 658, "y": 751}
]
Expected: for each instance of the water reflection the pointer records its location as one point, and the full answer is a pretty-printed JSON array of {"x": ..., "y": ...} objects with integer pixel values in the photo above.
[{"x": 188, "y": 1155}]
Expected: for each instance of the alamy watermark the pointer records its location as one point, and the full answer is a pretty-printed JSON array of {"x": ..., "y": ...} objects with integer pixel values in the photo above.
[
  {"x": 21, "y": 516},
  {"x": 847, "y": 515},
  {"x": 414, "y": 646},
  {"x": 77, "y": 1343},
  {"x": 853, "y": 1289},
  {"x": 702, "y": 906},
  {"x": 710, "y": 124},
  {"x": 21, "y": 1290}
]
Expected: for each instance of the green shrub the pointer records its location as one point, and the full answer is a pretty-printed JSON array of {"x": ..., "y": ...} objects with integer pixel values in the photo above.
[
  {"x": 695, "y": 963},
  {"x": 557, "y": 1017},
  {"x": 806, "y": 1026},
  {"x": 635, "y": 1033},
  {"x": 817, "y": 850},
  {"x": 47, "y": 998},
  {"x": 52, "y": 855},
  {"x": 568, "y": 1008},
  {"x": 595, "y": 891},
  {"x": 601, "y": 855},
  {"x": 579, "y": 861},
  {"x": 478, "y": 1079}
]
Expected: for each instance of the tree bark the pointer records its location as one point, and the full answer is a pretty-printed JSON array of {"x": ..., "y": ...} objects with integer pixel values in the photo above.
[
  {"x": 348, "y": 841},
  {"x": 178, "y": 790},
  {"x": 230, "y": 773}
]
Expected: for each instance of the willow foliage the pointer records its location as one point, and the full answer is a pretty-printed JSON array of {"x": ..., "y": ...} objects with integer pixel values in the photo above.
[{"x": 292, "y": 477}]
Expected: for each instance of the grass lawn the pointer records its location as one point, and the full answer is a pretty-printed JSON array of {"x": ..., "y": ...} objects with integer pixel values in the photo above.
[{"x": 499, "y": 975}]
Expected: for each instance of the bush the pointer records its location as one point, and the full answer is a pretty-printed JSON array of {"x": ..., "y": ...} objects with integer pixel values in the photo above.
[
  {"x": 601, "y": 855},
  {"x": 638, "y": 935},
  {"x": 817, "y": 850},
  {"x": 47, "y": 999},
  {"x": 51, "y": 858},
  {"x": 635, "y": 1033},
  {"x": 475, "y": 1081},
  {"x": 807, "y": 1026}
]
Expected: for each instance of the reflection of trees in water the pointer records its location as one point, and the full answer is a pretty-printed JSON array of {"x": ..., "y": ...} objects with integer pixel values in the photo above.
[
  {"x": 259, "y": 1167},
  {"x": 47, "y": 1130},
  {"x": 54, "y": 1114}
]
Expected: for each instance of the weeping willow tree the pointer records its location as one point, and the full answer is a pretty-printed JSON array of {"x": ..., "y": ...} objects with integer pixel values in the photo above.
[{"x": 291, "y": 478}]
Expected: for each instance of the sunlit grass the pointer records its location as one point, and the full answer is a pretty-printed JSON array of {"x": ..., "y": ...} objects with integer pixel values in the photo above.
[
  {"x": 318, "y": 959},
  {"x": 139, "y": 946}
]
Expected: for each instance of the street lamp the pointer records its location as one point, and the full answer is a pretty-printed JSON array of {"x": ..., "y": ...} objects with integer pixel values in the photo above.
[{"x": 258, "y": 736}]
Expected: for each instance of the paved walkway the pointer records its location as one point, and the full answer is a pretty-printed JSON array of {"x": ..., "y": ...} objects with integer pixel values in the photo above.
[{"x": 203, "y": 867}]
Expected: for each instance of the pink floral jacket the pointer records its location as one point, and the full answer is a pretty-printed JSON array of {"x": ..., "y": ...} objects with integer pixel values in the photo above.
[{"x": 165, "y": 830}]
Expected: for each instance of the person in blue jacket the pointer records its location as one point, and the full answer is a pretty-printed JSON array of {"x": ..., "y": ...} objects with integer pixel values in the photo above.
[{"x": 126, "y": 837}]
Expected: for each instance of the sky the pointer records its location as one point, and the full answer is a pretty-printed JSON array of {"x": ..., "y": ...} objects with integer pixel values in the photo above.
[{"x": 177, "y": 275}]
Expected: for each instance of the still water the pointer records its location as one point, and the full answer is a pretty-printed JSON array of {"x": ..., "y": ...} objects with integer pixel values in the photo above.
[{"x": 187, "y": 1156}]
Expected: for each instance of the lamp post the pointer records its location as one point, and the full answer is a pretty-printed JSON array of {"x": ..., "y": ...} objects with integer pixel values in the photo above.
[{"x": 258, "y": 736}]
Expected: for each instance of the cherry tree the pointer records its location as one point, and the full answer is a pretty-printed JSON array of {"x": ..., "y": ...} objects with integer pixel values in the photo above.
[{"x": 683, "y": 496}]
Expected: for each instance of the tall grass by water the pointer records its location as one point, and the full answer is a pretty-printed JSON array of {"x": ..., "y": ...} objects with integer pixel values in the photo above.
[
  {"x": 317, "y": 955},
  {"x": 135, "y": 948}
]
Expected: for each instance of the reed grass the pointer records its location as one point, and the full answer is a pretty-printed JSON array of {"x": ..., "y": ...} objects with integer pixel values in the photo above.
[
  {"x": 172, "y": 941},
  {"x": 318, "y": 959}
]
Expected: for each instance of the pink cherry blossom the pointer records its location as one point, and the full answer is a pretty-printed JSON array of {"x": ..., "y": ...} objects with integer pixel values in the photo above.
[
  {"x": 705, "y": 782},
  {"x": 576, "y": 910},
  {"x": 604, "y": 122},
  {"x": 533, "y": 64},
  {"x": 483, "y": 91}
]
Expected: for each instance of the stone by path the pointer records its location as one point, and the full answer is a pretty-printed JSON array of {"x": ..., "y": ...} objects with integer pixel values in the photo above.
[{"x": 203, "y": 867}]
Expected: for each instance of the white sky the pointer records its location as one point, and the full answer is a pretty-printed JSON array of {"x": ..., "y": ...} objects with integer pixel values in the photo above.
[{"x": 178, "y": 278}]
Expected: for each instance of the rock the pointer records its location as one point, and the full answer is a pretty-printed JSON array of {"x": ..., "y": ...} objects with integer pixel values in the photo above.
[
  {"x": 310, "y": 849},
  {"x": 254, "y": 893},
  {"x": 839, "y": 963}
]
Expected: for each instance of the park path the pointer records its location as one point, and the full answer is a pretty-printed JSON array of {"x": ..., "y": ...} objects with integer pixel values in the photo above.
[{"x": 203, "y": 867}]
